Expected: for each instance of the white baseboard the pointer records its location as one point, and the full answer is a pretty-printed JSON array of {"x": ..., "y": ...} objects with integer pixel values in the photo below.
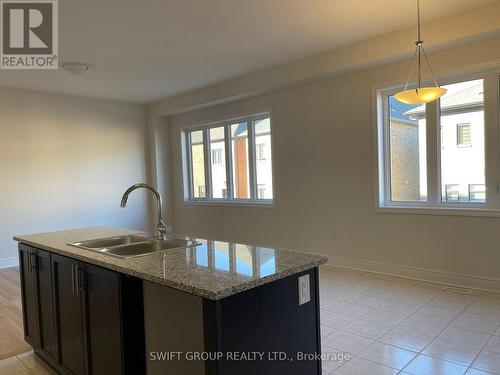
[
  {"x": 9, "y": 262},
  {"x": 416, "y": 273}
]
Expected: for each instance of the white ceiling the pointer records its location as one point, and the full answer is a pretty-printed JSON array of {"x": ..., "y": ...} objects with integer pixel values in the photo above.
[{"x": 145, "y": 50}]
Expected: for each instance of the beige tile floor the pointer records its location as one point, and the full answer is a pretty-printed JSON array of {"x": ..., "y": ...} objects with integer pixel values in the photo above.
[
  {"x": 24, "y": 364},
  {"x": 388, "y": 325}
]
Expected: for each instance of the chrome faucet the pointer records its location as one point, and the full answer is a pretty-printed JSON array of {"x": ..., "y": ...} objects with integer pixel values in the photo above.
[{"x": 162, "y": 229}]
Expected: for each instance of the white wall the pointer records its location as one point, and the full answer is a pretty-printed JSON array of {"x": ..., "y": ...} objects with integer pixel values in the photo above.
[
  {"x": 64, "y": 163},
  {"x": 323, "y": 140}
]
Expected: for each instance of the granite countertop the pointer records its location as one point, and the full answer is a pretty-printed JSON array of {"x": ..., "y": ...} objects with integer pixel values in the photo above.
[{"x": 213, "y": 269}]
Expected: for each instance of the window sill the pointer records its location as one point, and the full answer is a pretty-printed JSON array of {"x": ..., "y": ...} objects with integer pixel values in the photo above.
[
  {"x": 444, "y": 211},
  {"x": 263, "y": 203}
]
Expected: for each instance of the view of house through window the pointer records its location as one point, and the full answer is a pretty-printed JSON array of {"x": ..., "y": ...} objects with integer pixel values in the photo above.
[
  {"x": 218, "y": 171},
  {"x": 245, "y": 174},
  {"x": 240, "y": 162},
  {"x": 462, "y": 140},
  {"x": 459, "y": 141},
  {"x": 264, "y": 169},
  {"x": 408, "y": 158},
  {"x": 198, "y": 164}
]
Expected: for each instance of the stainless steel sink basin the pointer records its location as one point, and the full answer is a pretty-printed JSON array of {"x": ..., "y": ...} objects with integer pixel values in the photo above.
[
  {"x": 100, "y": 243},
  {"x": 131, "y": 246},
  {"x": 143, "y": 248}
]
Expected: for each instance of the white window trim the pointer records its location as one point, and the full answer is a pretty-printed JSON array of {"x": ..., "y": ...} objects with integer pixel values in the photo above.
[
  {"x": 189, "y": 199},
  {"x": 490, "y": 73}
]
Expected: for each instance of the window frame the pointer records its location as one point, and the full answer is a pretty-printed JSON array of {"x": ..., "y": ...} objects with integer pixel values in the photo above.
[
  {"x": 434, "y": 204},
  {"x": 252, "y": 162}
]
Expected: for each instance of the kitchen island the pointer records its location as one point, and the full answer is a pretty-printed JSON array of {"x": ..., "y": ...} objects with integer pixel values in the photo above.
[{"x": 215, "y": 308}]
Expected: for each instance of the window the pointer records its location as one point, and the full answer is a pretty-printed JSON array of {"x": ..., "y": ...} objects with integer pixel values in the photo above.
[
  {"x": 452, "y": 193},
  {"x": 463, "y": 135},
  {"x": 202, "y": 193},
  {"x": 477, "y": 192},
  {"x": 260, "y": 151},
  {"x": 232, "y": 174},
  {"x": 261, "y": 191},
  {"x": 217, "y": 157},
  {"x": 434, "y": 155}
]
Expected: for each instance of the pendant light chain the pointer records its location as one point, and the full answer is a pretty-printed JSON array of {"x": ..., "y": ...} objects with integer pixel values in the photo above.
[
  {"x": 420, "y": 45},
  {"x": 418, "y": 21},
  {"x": 420, "y": 51}
]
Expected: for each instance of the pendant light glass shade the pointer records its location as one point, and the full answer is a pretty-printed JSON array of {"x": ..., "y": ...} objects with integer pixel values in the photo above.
[{"x": 421, "y": 95}]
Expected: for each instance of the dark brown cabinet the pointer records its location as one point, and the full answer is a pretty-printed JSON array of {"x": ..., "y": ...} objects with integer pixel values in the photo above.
[
  {"x": 103, "y": 320},
  {"x": 37, "y": 299},
  {"x": 48, "y": 337},
  {"x": 69, "y": 315},
  {"x": 75, "y": 312},
  {"x": 27, "y": 264}
]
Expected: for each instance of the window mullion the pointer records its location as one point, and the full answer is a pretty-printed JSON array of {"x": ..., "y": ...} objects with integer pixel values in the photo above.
[
  {"x": 208, "y": 163},
  {"x": 433, "y": 154},
  {"x": 229, "y": 161},
  {"x": 251, "y": 159}
]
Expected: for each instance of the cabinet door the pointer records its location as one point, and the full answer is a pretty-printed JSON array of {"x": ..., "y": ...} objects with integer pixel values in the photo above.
[
  {"x": 29, "y": 295},
  {"x": 48, "y": 340},
  {"x": 69, "y": 315},
  {"x": 103, "y": 321}
]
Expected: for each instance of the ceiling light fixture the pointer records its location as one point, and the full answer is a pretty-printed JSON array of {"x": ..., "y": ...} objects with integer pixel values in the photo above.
[
  {"x": 420, "y": 95},
  {"x": 76, "y": 68}
]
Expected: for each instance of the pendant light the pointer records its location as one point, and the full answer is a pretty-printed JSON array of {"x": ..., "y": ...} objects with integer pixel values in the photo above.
[{"x": 420, "y": 95}]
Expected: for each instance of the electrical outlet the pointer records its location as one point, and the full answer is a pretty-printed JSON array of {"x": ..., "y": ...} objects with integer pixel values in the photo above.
[{"x": 304, "y": 289}]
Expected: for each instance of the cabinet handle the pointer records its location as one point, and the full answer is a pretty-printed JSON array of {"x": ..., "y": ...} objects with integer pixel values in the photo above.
[
  {"x": 28, "y": 260},
  {"x": 79, "y": 280},
  {"x": 33, "y": 261},
  {"x": 73, "y": 280}
]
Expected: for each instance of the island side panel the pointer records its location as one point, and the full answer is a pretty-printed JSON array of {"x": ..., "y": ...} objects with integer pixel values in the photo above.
[
  {"x": 173, "y": 322},
  {"x": 266, "y": 319}
]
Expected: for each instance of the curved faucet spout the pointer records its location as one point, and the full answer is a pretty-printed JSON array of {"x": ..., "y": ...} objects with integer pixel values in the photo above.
[{"x": 161, "y": 228}]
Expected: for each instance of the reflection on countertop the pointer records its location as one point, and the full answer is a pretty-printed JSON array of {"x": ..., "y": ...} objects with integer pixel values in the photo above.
[{"x": 231, "y": 257}]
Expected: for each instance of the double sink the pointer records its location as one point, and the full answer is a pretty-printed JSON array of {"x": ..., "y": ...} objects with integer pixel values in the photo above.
[{"x": 133, "y": 245}]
